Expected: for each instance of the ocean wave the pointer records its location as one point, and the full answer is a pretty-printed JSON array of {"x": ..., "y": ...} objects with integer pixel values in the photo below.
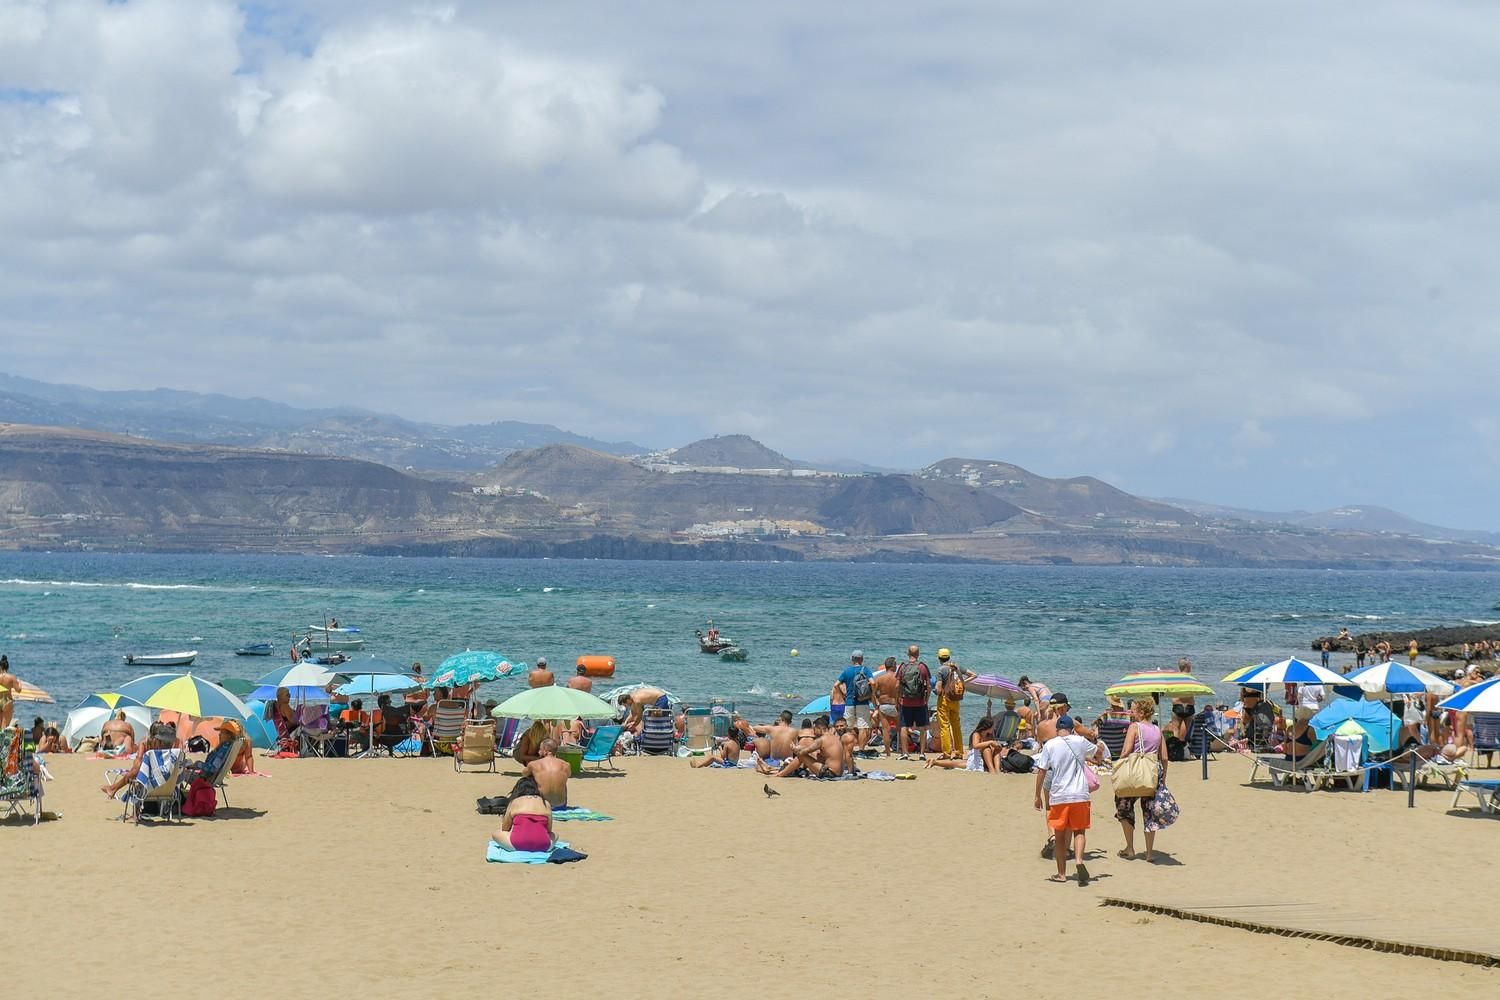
[
  {"x": 1469, "y": 621},
  {"x": 756, "y": 689},
  {"x": 126, "y": 585},
  {"x": 548, "y": 590},
  {"x": 1366, "y": 618}
]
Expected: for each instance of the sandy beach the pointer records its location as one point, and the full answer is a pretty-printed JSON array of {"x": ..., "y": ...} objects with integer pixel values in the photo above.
[{"x": 373, "y": 873}]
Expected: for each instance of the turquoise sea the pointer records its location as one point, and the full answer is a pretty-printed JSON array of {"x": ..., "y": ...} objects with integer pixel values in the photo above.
[{"x": 67, "y": 620}]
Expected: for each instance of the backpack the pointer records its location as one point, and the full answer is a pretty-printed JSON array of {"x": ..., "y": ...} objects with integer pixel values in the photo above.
[
  {"x": 862, "y": 688},
  {"x": 201, "y": 799},
  {"x": 913, "y": 684},
  {"x": 1016, "y": 762}
]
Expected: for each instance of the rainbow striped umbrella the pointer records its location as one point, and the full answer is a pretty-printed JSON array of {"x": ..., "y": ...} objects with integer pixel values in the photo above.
[
  {"x": 30, "y": 692},
  {"x": 187, "y": 694},
  {"x": 1172, "y": 683}
]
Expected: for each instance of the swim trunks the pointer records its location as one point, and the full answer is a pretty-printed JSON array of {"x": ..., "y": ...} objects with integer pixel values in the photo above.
[{"x": 914, "y": 715}]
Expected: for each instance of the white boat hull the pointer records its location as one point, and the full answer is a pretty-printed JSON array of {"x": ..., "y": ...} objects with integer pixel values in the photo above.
[
  {"x": 162, "y": 659},
  {"x": 320, "y": 642}
]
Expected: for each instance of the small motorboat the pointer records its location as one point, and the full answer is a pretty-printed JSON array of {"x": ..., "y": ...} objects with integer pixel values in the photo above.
[
  {"x": 707, "y": 645},
  {"x": 256, "y": 649},
  {"x": 162, "y": 659},
  {"x": 331, "y": 637}
]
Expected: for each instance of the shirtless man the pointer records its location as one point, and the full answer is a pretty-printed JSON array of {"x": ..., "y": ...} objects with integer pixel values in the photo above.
[
  {"x": 1057, "y": 707},
  {"x": 540, "y": 676},
  {"x": 551, "y": 773},
  {"x": 581, "y": 681},
  {"x": 726, "y": 754},
  {"x": 825, "y": 756},
  {"x": 885, "y": 689},
  {"x": 10, "y": 688},
  {"x": 637, "y": 702},
  {"x": 775, "y": 742},
  {"x": 117, "y": 735}
]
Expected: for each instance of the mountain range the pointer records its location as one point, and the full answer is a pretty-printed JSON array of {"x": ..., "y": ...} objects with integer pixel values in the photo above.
[{"x": 165, "y": 468}]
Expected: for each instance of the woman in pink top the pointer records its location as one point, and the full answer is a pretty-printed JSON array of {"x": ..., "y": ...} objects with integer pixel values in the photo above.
[{"x": 1143, "y": 736}]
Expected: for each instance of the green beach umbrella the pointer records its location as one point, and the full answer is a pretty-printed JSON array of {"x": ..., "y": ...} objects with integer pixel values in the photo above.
[
  {"x": 237, "y": 686},
  {"x": 553, "y": 703}
]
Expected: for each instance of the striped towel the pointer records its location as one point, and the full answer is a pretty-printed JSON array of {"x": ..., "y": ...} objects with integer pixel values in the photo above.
[
  {"x": 579, "y": 813},
  {"x": 156, "y": 768}
]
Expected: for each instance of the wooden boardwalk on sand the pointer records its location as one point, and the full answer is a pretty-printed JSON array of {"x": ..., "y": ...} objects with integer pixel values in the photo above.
[{"x": 1375, "y": 929}]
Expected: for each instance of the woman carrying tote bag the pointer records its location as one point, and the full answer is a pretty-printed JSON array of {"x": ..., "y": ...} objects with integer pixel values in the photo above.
[{"x": 1141, "y": 772}]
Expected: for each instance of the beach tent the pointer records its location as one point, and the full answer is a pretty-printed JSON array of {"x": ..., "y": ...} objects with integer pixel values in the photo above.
[{"x": 1372, "y": 716}]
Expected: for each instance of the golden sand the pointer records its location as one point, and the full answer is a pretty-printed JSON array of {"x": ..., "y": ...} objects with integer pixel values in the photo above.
[{"x": 367, "y": 878}]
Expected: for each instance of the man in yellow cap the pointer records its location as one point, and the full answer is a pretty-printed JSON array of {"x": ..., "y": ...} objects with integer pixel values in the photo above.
[{"x": 951, "y": 679}]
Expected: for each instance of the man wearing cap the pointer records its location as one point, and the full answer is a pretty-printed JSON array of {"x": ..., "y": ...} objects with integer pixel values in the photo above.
[
  {"x": 1061, "y": 767},
  {"x": 951, "y": 679},
  {"x": 540, "y": 676},
  {"x": 855, "y": 684}
]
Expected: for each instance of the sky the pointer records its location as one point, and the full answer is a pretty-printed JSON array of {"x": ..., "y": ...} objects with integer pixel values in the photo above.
[{"x": 1237, "y": 253}]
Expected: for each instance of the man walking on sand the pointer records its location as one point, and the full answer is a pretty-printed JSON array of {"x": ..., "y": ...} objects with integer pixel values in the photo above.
[
  {"x": 1061, "y": 766},
  {"x": 914, "y": 682}
]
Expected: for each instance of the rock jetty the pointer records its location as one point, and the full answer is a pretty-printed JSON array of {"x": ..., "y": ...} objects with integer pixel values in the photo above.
[{"x": 1437, "y": 643}]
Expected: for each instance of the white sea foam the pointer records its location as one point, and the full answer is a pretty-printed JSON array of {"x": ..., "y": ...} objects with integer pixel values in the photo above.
[
  {"x": 548, "y": 590},
  {"x": 1470, "y": 621},
  {"x": 756, "y": 689},
  {"x": 126, "y": 585},
  {"x": 1366, "y": 618}
]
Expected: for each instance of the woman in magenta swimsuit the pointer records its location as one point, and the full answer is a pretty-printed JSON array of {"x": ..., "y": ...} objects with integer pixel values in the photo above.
[{"x": 527, "y": 825}]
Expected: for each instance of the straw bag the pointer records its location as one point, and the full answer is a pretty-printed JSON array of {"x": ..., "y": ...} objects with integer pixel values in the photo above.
[{"x": 1136, "y": 775}]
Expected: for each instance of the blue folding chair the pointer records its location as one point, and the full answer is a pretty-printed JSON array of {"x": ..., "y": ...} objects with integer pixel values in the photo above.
[{"x": 601, "y": 748}]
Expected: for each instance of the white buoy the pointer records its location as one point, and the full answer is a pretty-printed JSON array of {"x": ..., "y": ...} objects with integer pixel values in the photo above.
[{"x": 794, "y": 652}]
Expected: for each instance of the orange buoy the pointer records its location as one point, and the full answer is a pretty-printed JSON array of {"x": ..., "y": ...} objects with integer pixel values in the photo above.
[{"x": 597, "y": 666}]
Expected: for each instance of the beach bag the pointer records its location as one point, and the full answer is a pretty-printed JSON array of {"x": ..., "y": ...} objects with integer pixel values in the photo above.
[
  {"x": 1163, "y": 808},
  {"x": 913, "y": 684},
  {"x": 1136, "y": 775},
  {"x": 1090, "y": 776},
  {"x": 862, "y": 689},
  {"x": 201, "y": 799},
  {"x": 1016, "y": 762}
]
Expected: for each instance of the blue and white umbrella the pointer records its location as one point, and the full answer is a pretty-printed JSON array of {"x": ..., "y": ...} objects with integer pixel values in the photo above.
[
  {"x": 1397, "y": 678},
  {"x": 304, "y": 682},
  {"x": 366, "y": 684},
  {"x": 1292, "y": 671},
  {"x": 1483, "y": 697}
]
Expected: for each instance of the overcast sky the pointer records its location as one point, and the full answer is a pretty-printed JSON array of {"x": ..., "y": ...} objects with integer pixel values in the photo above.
[{"x": 1241, "y": 253}]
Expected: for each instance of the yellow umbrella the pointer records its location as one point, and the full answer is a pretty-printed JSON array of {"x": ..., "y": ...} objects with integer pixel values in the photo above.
[{"x": 30, "y": 692}]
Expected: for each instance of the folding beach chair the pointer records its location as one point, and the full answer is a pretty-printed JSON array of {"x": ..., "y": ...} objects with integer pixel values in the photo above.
[
  {"x": 314, "y": 731},
  {"x": 448, "y": 724},
  {"x": 1112, "y": 732},
  {"x": 1447, "y": 773},
  {"x": 1007, "y": 727},
  {"x": 1341, "y": 763},
  {"x": 477, "y": 747},
  {"x": 601, "y": 748},
  {"x": 1486, "y": 791},
  {"x": 1486, "y": 737},
  {"x": 658, "y": 733},
  {"x": 20, "y": 777},
  {"x": 698, "y": 735},
  {"x": 158, "y": 784},
  {"x": 220, "y": 780},
  {"x": 505, "y": 743}
]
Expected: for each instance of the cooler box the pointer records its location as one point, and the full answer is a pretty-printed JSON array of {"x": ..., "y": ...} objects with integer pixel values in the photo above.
[{"x": 574, "y": 756}]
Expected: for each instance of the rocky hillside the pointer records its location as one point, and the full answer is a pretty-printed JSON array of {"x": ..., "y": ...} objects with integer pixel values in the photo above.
[
  {"x": 1080, "y": 500},
  {"x": 737, "y": 451}
]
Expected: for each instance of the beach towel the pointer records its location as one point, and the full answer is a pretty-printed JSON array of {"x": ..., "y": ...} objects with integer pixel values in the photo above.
[
  {"x": 579, "y": 813},
  {"x": 561, "y": 853},
  {"x": 880, "y": 776},
  {"x": 156, "y": 768}
]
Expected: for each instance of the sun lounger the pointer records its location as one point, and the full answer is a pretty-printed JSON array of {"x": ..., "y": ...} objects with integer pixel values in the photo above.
[
  {"x": 699, "y": 736},
  {"x": 478, "y": 746},
  {"x": 1280, "y": 769},
  {"x": 601, "y": 747},
  {"x": 1486, "y": 791},
  {"x": 1447, "y": 772}
]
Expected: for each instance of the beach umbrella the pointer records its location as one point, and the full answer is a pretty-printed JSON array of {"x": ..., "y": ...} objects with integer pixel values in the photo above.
[
  {"x": 240, "y": 687},
  {"x": 1395, "y": 678},
  {"x": 1292, "y": 671},
  {"x": 554, "y": 703},
  {"x": 993, "y": 686},
  {"x": 1483, "y": 697},
  {"x": 470, "y": 667},
  {"x": 88, "y": 717},
  {"x": 304, "y": 682},
  {"x": 818, "y": 706},
  {"x": 187, "y": 694},
  {"x": 369, "y": 663},
  {"x": 1372, "y": 716},
  {"x": 1234, "y": 676},
  {"x": 365, "y": 684},
  {"x": 262, "y": 737},
  {"x": 30, "y": 692},
  {"x": 108, "y": 699},
  {"x": 1171, "y": 683}
]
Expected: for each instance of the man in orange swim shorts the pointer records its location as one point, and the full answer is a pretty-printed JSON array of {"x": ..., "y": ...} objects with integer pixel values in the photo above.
[{"x": 1061, "y": 769}]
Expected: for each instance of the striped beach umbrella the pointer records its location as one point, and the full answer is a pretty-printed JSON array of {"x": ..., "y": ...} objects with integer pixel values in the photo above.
[
  {"x": 187, "y": 694},
  {"x": 1483, "y": 697},
  {"x": 1171, "y": 683},
  {"x": 1292, "y": 671},
  {"x": 304, "y": 682},
  {"x": 1397, "y": 678},
  {"x": 110, "y": 700},
  {"x": 90, "y": 715},
  {"x": 30, "y": 692}
]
